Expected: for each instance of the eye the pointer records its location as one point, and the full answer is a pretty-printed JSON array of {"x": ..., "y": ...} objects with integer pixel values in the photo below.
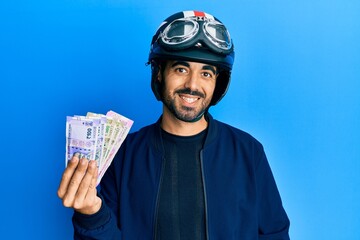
[
  {"x": 207, "y": 75},
  {"x": 181, "y": 70}
]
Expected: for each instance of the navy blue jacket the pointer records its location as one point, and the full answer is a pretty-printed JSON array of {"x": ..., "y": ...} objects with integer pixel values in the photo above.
[{"x": 241, "y": 198}]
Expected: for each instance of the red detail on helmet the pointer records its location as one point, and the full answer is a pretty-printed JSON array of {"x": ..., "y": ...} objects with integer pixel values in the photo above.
[{"x": 199, "y": 14}]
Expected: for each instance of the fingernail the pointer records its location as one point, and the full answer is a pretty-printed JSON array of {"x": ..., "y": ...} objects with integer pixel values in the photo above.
[
  {"x": 77, "y": 154},
  {"x": 92, "y": 163},
  {"x": 83, "y": 161}
]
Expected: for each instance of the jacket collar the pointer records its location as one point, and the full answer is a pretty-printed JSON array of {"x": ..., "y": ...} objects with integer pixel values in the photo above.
[
  {"x": 212, "y": 130},
  {"x": 210, "y": 137}
]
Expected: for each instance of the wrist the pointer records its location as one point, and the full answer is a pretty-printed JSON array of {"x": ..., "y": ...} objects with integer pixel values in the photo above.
[
  {"x": 91, "y": 209},
  {"x": 94, "y": 220}
]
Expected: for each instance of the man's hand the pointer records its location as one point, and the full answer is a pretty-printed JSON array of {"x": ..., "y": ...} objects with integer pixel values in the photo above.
[{"x": 78, "y": 186}]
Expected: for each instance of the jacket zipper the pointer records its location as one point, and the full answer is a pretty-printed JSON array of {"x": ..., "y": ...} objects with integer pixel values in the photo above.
[
  {"x": 205, "y": 199},
  {"x": 157, "y": 196}
]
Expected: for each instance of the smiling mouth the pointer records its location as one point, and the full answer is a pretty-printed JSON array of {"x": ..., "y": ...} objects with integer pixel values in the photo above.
[{"x": 189, "y": 99}]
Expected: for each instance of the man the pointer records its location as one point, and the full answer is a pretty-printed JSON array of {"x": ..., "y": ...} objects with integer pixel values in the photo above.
[{"x": 187, "y": 176}]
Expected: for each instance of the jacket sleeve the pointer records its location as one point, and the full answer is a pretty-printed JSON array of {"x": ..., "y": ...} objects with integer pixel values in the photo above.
[
  {"x": 102, "y": 225},
  {"x": 273, "y": 220}
]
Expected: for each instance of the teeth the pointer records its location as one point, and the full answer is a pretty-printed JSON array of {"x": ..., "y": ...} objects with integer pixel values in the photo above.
[{"x": 189, "y": 100}]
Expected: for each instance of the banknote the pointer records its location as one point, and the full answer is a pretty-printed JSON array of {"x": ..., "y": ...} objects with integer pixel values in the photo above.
[
  {"x": 80, "y": 137},
  {"x": 101, "y": 121},
  {"x": 96, "y": 137},
  {"x": 122, "y": 126},
  {"x": 109, "y": 129}
]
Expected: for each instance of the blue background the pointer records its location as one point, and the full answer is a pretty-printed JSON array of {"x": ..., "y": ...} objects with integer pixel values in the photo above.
[{"x": 295, "y": 87}]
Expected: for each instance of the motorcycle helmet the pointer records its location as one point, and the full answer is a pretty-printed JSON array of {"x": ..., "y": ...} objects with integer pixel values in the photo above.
[{"x": 193, "y": 36}]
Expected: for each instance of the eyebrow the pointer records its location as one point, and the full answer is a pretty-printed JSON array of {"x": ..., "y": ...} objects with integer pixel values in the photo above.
[
  {"x": 182, "y": 63},
  {"x": 186, "y": 64},
  {"x": 211, "y": 68}
]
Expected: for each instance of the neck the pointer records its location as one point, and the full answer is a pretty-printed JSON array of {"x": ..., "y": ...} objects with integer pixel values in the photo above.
[{"x": 172, "y": 125}]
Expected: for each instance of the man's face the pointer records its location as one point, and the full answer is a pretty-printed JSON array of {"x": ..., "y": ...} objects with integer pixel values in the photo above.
[{"x": 187, "y": 88}]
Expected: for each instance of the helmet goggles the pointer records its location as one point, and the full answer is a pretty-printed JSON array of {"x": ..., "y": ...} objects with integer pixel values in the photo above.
[{"x": 195, "y": 31}]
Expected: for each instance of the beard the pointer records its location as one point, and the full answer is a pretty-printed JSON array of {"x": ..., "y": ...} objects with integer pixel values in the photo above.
[{"x": 184, "y": 113}]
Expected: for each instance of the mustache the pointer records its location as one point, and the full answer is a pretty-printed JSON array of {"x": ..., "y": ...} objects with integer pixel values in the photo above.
[{"x": 190, "y": 92}]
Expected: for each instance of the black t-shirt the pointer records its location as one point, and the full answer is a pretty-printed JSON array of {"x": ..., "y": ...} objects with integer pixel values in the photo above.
[{"x": 181, "y": 213}]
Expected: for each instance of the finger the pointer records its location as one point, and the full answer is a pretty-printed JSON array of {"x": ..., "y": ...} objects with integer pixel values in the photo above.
[
  {"x": 66, "y": 177},
  {"x": 74, "y": 183},
  {"x": 91, "y": 197},
  {"x": 91, "y": 194},
  {"x": 85, "y": 185}
]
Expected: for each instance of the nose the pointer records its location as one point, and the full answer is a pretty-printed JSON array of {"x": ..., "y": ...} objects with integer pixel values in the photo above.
[{"x": 192, "y": 82}]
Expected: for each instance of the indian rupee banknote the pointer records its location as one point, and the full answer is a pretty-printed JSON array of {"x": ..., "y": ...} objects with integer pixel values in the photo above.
[{"x": 96, "y": 137}]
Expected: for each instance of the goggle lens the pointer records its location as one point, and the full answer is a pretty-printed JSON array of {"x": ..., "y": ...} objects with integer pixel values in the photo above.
[
  {"x": 217, "y": 33},
  {"x": 180, "y": 31}
]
